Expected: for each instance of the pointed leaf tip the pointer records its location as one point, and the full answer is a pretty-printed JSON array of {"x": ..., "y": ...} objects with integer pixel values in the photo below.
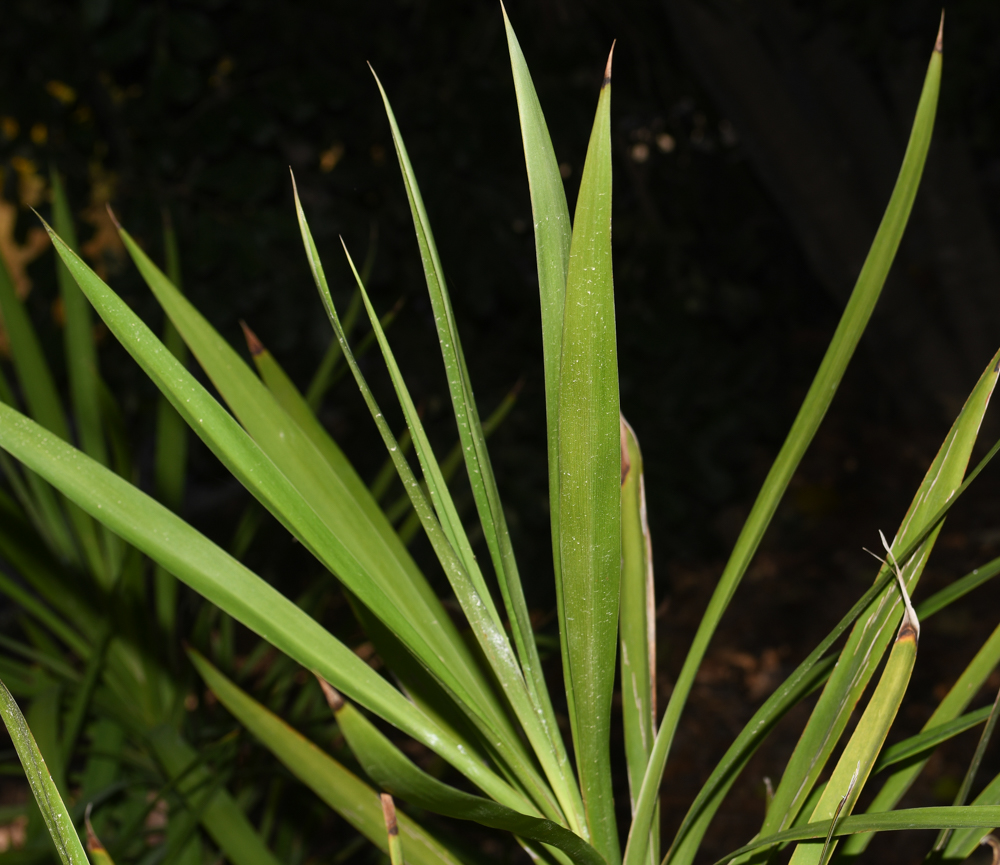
[
  {"x": 333, "y": 696},
  {"x": 607, "y": 69},
  {"x": 254, "y": 345},
  {"x": 939, "y": 44},
  {"x": 114, "y": 218},
  {"x": 94, "y": 844}
]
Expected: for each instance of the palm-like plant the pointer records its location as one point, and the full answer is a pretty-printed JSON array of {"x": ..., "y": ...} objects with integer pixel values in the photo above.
[{"x": 483, "y": 705}]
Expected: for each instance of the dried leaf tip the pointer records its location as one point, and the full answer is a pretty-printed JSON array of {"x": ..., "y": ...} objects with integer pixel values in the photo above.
[
  {"x": 607, "y": 69},
  {"x": 910, "y": 628},
  {"x": 255, "y": 346},
  {"x": 939, "y": 44},
  {"x": 94, "y": 844},
  {"x": 389, "y": 813},
  {"x": 114, "y": 218},
  {"x": 333, "y": 697}
]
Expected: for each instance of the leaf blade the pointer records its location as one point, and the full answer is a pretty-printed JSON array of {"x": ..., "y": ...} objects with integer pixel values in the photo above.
[
  {"x": 818, "y": 398},
  {"x": 589, "y": 482}
]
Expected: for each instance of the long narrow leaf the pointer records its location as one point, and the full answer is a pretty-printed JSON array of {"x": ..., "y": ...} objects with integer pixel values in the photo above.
[
  {"x": 954, "y": 703},
  {"x": 553, "y": 232},
  {"x": 483, "y": 483},
  {"x": 859, "y": 755},
  {"x": 43, "y": 403},
  {"x": 341, "y": 789},
  {"x": 164, "y": 537},
  {"x": 814, "y": 407},
  {"x": 867, "y": 642},
  {"x": 638, "y": 624},
  {"x": 967, "y": 816},
  {"x": 50, "y": 803},
  {"x": 372, "y": 561},
  {"x": 478, "y": 609},
  {"x": 84, "y": 380},
  {"x": 391, "y": 769},
  {"x": 481, "y": 617},
  {"x": 222, "y": 818},
  {"x": 589, "y": 483},
  {"x": 170, "y": 459}
]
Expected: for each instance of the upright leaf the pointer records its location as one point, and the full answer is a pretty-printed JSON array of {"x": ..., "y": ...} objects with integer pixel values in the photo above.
[
  {"x": 84, "y": 386},
  {"x": 484, "y": 490},
  {"x": 870, "y": 637},
  {"x": 638, "y": 624},
  {"x": 855, "y": 764},
  {"x": 170, "y": 459},
  {"x": 590, "y": 482},
  {"x": 814, "y": 406},
  {"x": 42, "y": 400},
  {"x": 954, "y": 703}
]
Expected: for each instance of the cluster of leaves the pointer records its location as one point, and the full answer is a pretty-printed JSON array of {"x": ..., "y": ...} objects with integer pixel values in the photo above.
[{"x": 479, "y": 701}]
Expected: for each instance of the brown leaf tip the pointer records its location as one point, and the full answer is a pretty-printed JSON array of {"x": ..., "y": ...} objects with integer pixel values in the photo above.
[
  {"x": 94, "y": 844},
  {"x": 907, "y": 631},
  {"x": 333, "y": 696},
  {"x": 255, "y": 346},
  {"x": 939, "y": 44},
  {"x": 114, "y": 218},
  {"x": 607, "y": 69},
  {"x": 389, "y": 813}
]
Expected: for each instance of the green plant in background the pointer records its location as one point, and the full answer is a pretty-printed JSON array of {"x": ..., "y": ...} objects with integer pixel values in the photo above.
[{"x": 478, "y": 699}]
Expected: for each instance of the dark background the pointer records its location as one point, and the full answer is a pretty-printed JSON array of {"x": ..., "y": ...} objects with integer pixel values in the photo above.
[{"x": 756, "y": 145}]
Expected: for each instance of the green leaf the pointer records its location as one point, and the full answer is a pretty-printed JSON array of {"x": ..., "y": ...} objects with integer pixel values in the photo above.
[
  {"x": 867, "y": 642},
  {"x": 963, "y": 844},
  {"x": 970, "y": 774},
  {"x": 967, "y": 816},
  {"x": 328, "y": 372},
  {"x": 589, "y": 483},
  {"x": 484, "y": 489},
  {"x": 222, "y": 818},
  {"x": 862, "y": 749},
  {"x": 483, "y": 619},
  {"x": 43, "y": 720},
  {"x": 469, "y": 588},
  {"x": 923, "y": 743},
  {"x": 57, "y": 819},
  {"x": 388, "y": 767},
  {"x": 954, "y": 703},
  {"x": 84, "y": 386},
  {"x": 817, "y": 401},
  {"x": 958, "y": 589},
  {"x": 553, "y": 232},
  {"x": 638, "y": 624},
  {"x": 253, "y": 468},
  {"x": 356, "y": 542},
  {"x": 170, "y": 459},
  {"x": 81, "y": 353},
  {"x": 339, "y": 788},
  {"x": 449, "y": 466},
  {"x": 222, "y": 580},
  {"x": 43, "y": 402}
]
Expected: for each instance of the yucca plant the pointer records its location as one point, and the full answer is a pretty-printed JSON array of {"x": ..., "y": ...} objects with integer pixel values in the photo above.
[{"x": 475, "y": 695}]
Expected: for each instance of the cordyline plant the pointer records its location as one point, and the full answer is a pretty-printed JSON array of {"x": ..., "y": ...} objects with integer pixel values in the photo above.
[{"x": 489, "y": 713}]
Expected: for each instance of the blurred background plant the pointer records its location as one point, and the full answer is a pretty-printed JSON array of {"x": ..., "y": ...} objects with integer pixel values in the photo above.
[{"x": 738, "y": 224}]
